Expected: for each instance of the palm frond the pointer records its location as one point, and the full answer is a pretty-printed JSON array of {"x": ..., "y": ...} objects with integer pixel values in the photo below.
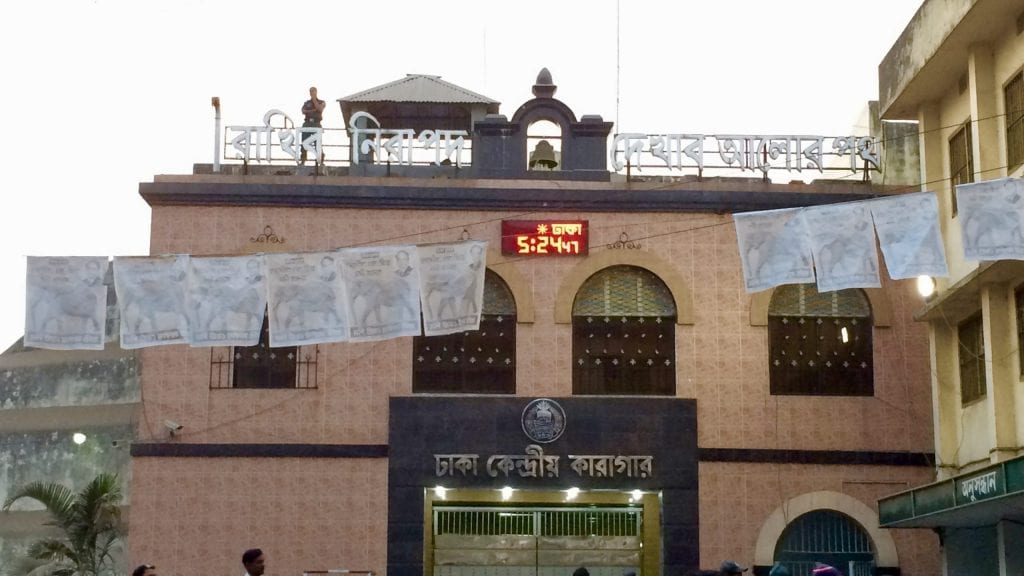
[
  {"x": 57, "y": 498},
  {"x": 26, "y": 566},
  {"x": 49, "y": 550},
  {"x": 90, "y": 521},
  {"x": 104, "y": 550},
  {"x": 96, "y": 506}
]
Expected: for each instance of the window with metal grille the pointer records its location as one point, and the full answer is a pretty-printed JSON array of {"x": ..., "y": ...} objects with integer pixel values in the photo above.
[
  {"x": 828, "y": 537},
  {"x": 261, "y": 366},
  {"x": 961, "y": 159},
  {"x": 972, "y": 359},
  {"x": 1014, "y": 102},
  {"x": 623, "y": 328},
  {"x": 478, "y": 361},
  {"x": 819, "y": 344}
]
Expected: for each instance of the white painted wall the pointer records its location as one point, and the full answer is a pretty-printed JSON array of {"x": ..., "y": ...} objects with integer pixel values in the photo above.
[{"x": 976, "y": 434}]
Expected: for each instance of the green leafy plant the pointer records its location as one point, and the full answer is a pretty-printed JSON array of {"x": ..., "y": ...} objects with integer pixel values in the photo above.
[{"x": 90, "y": 522}]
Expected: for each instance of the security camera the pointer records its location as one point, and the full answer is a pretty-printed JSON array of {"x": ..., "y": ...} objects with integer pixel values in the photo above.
[{"x": 172, "y": 426}]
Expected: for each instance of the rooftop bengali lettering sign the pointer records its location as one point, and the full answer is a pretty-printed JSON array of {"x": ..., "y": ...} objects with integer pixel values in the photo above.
[
  {"x": 396, "y": 145},
  {"x": 535, "y": 464},
  {"x": 742, "y": 151},
  {"x": 255, "y": 142}
]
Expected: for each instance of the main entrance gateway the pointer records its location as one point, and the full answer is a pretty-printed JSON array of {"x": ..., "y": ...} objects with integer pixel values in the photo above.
[
  {"x": 530, "y": 540},
  {"x": 615, "y": 491}
]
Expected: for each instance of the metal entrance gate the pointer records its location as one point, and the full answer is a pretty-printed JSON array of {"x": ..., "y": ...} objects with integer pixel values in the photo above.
[
  {"x": 828, "y": 537},
  {"x": 536, "y": 541}
]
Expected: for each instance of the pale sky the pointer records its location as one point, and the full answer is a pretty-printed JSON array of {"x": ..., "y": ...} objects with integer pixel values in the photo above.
[{"x": 99, "y": 95}]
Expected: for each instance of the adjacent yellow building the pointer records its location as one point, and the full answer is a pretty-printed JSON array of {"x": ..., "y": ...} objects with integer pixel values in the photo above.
[{"x": 957, "y": 71}]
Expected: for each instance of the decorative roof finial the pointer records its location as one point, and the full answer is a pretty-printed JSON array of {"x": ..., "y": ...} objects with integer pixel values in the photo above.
[{"x": 544, "y": 88}]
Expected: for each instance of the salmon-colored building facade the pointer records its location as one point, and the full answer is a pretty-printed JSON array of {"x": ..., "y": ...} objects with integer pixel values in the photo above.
[{"x": 371, "y": 458}]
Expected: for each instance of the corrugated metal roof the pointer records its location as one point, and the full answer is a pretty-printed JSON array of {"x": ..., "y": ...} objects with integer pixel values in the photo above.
[{"x": 419, "y": 88}]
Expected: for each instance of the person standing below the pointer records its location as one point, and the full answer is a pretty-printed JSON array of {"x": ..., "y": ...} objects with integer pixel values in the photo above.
[
  {"x": 730, "y": 568},
  {"x": 825, "y": 570},
  {"x": 313, "y": 115},
  {"x": 254, "y": 561},
  {"x": 144, "y": 570}
]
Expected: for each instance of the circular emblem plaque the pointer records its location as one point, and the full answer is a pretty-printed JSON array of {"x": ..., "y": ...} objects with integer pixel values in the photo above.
[{"x": 543, "y": 420}]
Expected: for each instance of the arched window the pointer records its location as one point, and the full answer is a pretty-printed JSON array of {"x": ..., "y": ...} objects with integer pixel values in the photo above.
[
  {"x": 477, "y": 362},
  {"x": 828, "y": 537},
  {"x": 820, "y": 343},
  {"x": 624, "y": 339}
]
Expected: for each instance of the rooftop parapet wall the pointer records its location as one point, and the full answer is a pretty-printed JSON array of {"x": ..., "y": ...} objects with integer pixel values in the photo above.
[
  {"x": 920, "y": 40},
  {"x": 930, "y": 56}
]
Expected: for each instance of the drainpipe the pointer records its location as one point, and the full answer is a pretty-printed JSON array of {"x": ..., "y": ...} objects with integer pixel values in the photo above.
[{"x": 216, "y": 133}]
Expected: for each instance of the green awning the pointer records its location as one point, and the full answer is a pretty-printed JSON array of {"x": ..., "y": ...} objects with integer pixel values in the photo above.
[{"x": 979, "y": 498}]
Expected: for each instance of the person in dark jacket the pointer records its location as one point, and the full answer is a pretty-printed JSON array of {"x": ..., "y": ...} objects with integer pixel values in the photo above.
[
  {"x": 313, "y": 115},
  {"x": 730, "y": 568}
]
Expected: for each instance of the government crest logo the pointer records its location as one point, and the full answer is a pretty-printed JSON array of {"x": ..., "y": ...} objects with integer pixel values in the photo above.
[{"x": 543, "y": 420}]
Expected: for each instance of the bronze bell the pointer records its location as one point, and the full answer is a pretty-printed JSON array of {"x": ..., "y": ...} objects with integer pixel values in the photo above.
[{"x": 543, "y": 154}]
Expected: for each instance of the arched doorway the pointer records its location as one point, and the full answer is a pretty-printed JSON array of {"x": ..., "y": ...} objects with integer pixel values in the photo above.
[{"x": 829, "y": 537}]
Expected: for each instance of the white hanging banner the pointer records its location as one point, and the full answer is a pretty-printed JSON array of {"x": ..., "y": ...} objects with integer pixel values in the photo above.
[
  {"x": 382, "y": 284},
  {"x": 306, "y": 302},
  {"x": 991, "y": 215},
  {"x": 843, "y": 242},
  {"x": 225, "y": 300},
  {"x": 65, "y": 302},
  {"x": 909, "y": 234},
  {"x": 452, "y": 286},
  {"x": 774, "y": 248},
  {"x": 151, "y": 297}
]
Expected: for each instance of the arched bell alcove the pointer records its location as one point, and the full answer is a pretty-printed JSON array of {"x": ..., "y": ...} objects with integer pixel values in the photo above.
[{"x": 506, "y": 146}]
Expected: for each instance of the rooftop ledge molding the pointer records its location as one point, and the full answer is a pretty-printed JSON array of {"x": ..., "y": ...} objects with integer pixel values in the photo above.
[
  {"x": 940, "y": 32},
  {"x": 722, "y": 195},
  {"x": 960, "y": 300}
]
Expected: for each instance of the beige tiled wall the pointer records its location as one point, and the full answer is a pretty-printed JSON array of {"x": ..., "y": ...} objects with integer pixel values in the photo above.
[
  {"x": 199, "y": 515},
  {"x": 721, "y": 358},
  {"x": 332, "y": 513},
  {"x": 736, "y": 499}
]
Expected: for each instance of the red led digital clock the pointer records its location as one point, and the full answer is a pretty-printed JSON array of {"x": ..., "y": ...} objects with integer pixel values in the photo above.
[{"x": 544, "y": 237}]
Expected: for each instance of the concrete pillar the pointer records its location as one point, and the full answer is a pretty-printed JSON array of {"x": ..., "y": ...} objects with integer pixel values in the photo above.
[
  {"x": 945, "y": 398},
  {"x": 933, "y": 150},
  {"x": 997, "y": 308},
  {"x": 984, "y": 114},
  {"x": 1010, "y": 539}
]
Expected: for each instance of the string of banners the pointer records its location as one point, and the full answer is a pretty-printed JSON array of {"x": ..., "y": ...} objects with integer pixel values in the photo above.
[
  {"x": 834, "y": 244},
  {"x": 351, "y": 294}
]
